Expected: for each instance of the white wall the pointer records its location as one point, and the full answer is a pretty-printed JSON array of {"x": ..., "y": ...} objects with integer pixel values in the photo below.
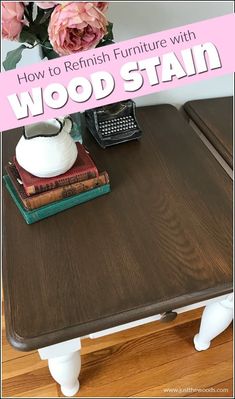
[{"x": 132, "y": 19}]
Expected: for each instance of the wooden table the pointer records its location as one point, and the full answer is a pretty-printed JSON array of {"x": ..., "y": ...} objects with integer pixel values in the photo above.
[
  {"x": 214, "y": 117},
  {"x": 161, "y": 240}
]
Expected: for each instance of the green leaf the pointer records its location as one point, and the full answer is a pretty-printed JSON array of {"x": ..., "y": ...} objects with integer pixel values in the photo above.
[
  {"x": 13, "y": 57},
  {"x": 49, "y": 53},
  {"x": 28, "y": 11},
  {"x": 108, "y": 38},
  {"x": 47, "y": 43},
  {"x": 41, "y": 31},
  {"x": 46, "y": 16},
  {"x": 105, "y": 43},
  {"x": 27, "y": 36},
  {"x": 40, "y": 14},
  {"x": 109, "y": 35}
]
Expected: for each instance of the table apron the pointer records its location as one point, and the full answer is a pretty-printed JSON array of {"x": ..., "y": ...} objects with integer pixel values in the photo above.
[
  {"x": 73, "y": 345},
  {"x": 150, "y": 319}
]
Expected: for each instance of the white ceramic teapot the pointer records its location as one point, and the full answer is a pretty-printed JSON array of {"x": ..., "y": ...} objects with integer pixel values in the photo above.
[{"x": 46, "y": 148}]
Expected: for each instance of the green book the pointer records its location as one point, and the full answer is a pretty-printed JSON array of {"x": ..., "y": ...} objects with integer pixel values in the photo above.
[{"x": 55, "y": 207}]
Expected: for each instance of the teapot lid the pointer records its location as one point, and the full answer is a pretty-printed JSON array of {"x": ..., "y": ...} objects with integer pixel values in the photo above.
[{"x": 48, "y": 128}]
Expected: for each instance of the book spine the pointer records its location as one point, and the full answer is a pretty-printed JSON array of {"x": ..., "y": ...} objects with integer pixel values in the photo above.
[
  {"x": 37, "y": 189},
  {"x": 53, "y": 209},
  {"x": 60, "y": 193}
]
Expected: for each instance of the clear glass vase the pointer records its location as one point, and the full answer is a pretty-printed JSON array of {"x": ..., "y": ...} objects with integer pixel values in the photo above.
[
  {"x": 78, "y": 126},
  {"x": 77, "y": 117}
]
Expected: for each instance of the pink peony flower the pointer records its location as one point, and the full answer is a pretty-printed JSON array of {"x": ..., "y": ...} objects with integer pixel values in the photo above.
[
  {"x": 12, "y": 19},
  {"x": 102, "y": 5},
  {"x": 76, "y": 26},
  {"x": 47, "y": 4}
]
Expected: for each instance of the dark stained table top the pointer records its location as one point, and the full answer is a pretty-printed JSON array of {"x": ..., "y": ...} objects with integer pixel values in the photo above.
[
  {"x": 161, "y": 239},
  {"x": 214, "y": 117}
]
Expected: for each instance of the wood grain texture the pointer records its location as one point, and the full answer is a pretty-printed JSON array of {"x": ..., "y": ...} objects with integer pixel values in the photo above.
[
  {"x": 160, "y": 240},
  {"x": 222, "y": 389},
  {"x": 147, "y": 362},
  {"x": 214, "y": 117}
]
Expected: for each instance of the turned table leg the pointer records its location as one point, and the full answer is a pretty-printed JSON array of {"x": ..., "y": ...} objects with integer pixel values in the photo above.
[
  {"x": 216, "y": 318},
  {"x": 64, "y": 362},
  {"x": 65, "y": 370}
]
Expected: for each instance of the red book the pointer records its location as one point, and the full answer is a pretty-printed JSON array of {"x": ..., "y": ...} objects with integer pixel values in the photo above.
[{"x": 83, "y": 169}]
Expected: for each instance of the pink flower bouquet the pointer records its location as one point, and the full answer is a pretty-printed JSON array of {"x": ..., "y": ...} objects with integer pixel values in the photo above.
[{"x": 60, "y": 28}]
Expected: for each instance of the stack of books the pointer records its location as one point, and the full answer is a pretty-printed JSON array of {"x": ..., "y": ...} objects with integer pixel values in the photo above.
[{"x": 38, "y": 198}]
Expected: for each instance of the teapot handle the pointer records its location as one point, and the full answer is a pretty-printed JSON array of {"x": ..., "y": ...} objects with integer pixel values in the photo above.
[{"x": 68, "y": 118}]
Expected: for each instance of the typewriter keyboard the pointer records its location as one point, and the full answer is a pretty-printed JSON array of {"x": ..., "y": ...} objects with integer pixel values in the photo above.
[{"x": 120, "y": 125}]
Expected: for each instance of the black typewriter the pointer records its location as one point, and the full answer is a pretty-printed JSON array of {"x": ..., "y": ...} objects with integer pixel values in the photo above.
[{"x": 114, "y": 123}]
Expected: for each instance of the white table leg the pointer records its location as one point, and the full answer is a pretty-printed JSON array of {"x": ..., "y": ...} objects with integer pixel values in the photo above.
[
  {"x": 64, "y": 363},
  {"x": 65, "y": 370},
  {"x": 216, "y": 318}
]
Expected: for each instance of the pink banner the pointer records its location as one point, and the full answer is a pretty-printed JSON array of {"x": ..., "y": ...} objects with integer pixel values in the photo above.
[{"x": 108, "y": 74}]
